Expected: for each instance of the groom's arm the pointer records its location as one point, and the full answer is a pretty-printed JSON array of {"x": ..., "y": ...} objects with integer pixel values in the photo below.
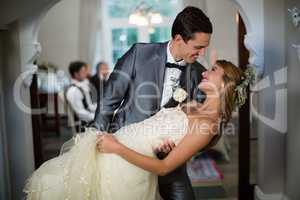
[{"x": 115, "y": 90}]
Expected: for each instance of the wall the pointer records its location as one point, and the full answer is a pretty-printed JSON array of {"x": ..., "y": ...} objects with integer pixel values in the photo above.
[
  {"x": 293, "y": 136},
  {"x": 14, "y": 9},
  {"x": 59, "y": 34},
  {"x": 222, "y": 14},
  {"x": 271, "y": 142},
  {"x": 4, "y": 181},
  {"x": 90, "y": 14},
  {"x": 225, "y": 37},
  {"x": 17, "y": 123},
  {"x": 60, "y": 38}
]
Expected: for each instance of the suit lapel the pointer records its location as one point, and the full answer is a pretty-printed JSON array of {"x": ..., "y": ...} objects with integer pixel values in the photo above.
[
  {"x": 184, "y": 77},
  {"x": 161, "y": 56}
]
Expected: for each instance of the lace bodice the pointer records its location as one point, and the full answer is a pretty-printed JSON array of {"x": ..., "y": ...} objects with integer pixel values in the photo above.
[{"x": 168, "y": 123}]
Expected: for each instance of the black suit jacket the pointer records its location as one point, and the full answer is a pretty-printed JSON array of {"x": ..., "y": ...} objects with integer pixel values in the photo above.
[
  {"x": 97, "y": 86},
  {"x": 133, "y": 91}
]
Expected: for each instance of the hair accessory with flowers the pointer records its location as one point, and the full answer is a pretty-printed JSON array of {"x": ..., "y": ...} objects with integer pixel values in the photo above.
[{"x": 241, "y": 89}]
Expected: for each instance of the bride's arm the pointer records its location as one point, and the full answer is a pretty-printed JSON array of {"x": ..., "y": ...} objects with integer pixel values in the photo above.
[{"x": 189, "y": 146}]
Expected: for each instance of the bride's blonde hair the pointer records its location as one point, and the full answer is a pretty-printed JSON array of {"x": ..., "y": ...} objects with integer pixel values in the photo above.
[{"x": 232, "y": 78}]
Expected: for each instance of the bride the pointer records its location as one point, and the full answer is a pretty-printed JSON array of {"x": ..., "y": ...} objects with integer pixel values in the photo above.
[{"x": 124, "y": 165}]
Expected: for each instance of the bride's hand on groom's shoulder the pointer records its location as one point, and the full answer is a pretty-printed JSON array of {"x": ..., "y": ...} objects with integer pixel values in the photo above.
[{"x": 107, "y": 143}]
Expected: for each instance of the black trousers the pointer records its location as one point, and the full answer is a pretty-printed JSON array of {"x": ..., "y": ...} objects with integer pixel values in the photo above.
[{"x": 176, "y": 185}]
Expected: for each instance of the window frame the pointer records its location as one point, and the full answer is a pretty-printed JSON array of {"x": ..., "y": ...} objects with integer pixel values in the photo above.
[{"x": 110, "y": 23}]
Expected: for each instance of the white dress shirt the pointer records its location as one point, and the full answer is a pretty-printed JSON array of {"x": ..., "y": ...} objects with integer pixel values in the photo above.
[
  {"x": 171, "y": 78},
  {"x": 75, "y": 99}
]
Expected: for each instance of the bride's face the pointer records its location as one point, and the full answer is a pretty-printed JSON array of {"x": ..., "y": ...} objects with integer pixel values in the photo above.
[{"x": 212, "y": 82}]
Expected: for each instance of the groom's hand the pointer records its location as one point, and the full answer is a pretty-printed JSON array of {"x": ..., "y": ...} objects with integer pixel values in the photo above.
[{"x": 165, "y": 147}]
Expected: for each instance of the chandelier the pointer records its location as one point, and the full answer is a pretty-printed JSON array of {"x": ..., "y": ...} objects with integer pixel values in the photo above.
[{"x": 144, "y": 15}]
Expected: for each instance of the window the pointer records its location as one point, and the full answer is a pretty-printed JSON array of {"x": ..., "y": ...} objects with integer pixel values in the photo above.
[
  {"x": 118, "y": 35},
  {"x": 122, "y": 9},
  {"x": 160, "y": 34},
  {"x": 122, "y": 40}
]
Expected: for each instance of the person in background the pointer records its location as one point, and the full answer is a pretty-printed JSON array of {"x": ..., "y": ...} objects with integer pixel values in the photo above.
[
  {"x": 99, "y": 80},
  {"x": 78, "y": 93},
  {"x": 89, "y": 71}
]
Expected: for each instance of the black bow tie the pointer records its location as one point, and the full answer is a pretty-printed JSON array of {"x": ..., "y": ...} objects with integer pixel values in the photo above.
[{"x": 173, "y": 65}]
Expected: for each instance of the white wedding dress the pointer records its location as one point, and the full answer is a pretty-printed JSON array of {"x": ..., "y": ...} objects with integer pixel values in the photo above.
[{"x": 84, "y": 173}]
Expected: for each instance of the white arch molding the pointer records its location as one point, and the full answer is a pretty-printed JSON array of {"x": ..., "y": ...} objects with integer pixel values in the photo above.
[
  {"x": 30, "y": 48},
  {"x": 251, "y": 12},
  {"x": 253, "y": 16}
]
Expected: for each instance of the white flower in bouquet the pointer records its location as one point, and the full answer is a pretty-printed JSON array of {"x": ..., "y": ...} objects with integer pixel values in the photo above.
[{"x": 180, "y": 95}]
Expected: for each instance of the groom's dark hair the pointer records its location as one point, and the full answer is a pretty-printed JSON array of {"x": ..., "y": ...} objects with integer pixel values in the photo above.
[{"x": 189, "y": 21}]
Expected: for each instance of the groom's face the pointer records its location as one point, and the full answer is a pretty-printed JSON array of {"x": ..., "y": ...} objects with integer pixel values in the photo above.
[{"x": 190, "y": 50}]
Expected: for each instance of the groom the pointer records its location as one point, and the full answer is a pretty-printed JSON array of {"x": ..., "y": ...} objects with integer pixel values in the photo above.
[{"x": 143, "y": 82}]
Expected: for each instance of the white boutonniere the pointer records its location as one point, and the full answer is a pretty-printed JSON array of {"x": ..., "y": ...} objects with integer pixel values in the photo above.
[{"x": 180, "y": 95}]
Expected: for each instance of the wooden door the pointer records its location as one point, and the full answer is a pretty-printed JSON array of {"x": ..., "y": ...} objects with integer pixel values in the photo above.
[{"x": 245, "y": 189}]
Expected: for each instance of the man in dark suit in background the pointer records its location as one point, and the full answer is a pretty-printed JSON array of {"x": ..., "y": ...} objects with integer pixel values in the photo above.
[
  {"x": 99, "y": 80},
  {"x": 143, "y": 82}
]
